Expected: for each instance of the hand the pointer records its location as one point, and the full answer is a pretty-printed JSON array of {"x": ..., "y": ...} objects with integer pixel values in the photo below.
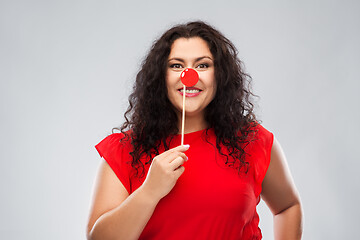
[{"x": 164, "y": 171}]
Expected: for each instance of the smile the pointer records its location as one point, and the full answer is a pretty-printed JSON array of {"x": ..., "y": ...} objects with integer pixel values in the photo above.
[{"x": 190, "y": 92}]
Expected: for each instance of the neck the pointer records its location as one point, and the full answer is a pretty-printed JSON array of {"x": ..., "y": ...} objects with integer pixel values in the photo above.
[{"x": 192, "y": 123}]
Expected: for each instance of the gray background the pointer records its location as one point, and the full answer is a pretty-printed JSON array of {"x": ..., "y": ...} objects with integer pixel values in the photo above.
[{"x": 66, "y": 69}]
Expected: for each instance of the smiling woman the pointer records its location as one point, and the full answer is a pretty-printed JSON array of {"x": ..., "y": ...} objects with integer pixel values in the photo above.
[
  {"x": 191, "y": 53},
  {"x": 143, "y": 190}
]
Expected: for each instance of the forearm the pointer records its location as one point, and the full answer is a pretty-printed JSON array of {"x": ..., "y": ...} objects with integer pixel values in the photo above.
[
  {"x": 288, "y": 224},
  {"x": 126, "y": 221}
]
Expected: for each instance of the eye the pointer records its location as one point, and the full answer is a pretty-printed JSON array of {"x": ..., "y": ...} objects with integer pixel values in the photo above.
[
  {"x": 203, "y": 65},
  {"x": 176, "y": 65}
]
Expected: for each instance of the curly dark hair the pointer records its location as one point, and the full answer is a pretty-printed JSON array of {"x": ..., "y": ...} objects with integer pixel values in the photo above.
[{"x": 229, "y": 114}]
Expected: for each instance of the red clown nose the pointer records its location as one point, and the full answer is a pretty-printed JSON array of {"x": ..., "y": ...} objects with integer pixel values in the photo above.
[{"x": 189, "y": 77}]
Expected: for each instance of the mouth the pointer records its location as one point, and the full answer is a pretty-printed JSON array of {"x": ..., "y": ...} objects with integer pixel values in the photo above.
[{"x": 190, "y": 91}]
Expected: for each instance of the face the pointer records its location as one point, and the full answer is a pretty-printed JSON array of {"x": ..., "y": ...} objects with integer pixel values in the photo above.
[{"x": 191, "y": 53}]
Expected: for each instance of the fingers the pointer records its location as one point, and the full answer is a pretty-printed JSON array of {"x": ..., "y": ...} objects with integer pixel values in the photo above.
[
  {"x": 172, "y": 161},
  {"x": 171, "y": 154},
  {"x": 170, "y": 158},
  {"x": 180, "y": 148},
  {"x": 165, "y": 170},
  {"x": 179, "y": 171},
  {"x": 177, "y": 162}
]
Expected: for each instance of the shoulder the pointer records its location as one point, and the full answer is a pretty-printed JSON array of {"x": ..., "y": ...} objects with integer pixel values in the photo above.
[
  {"x": 118, "y": 138},
  {"x": 115, "y": 142},
  {"x": 260, "y": 135},
  {"x": 259, "y": 150},
  {"x": 115, "y": 150},
  {"x": 260, "y": 129}
]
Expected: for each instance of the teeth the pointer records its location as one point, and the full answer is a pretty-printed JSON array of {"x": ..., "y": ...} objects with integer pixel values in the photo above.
[{"x": 190, "y": 91}]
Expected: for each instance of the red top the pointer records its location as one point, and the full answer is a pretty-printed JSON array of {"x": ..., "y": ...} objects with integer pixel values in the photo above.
[{"x": 210, "y": 200}]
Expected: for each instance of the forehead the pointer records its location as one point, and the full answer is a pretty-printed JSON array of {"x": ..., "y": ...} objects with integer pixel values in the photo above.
[{"x": 188, "y": 48}]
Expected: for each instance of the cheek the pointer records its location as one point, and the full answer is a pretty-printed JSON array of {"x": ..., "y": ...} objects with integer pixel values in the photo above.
[
  {"x": 171, "y": 78},
  {"x": 168, "y": 82},
  {"x": 170, "y": 88},
  {"x": 213, "y": 86},
  {"x": 213, "y": 93},
  {"x": 214, "y": 90}
]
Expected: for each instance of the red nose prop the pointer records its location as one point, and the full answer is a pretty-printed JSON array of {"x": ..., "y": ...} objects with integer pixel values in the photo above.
[{"x": 189, "y": 77}]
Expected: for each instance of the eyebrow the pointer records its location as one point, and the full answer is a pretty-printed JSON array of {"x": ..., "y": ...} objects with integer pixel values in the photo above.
[{"x": 196, "y": 60}]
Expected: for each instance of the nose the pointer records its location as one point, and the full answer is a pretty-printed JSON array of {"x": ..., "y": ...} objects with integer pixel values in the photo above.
[{"x": 189, "y": 77}]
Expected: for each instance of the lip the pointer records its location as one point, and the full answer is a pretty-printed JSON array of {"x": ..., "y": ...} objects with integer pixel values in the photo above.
[
  {"x": 190, "y": 94},
  {"x": 190, "y": 88}
]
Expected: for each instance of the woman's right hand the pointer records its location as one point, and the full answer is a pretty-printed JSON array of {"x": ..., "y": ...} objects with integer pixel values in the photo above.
[{"x": 164, "y": 171}]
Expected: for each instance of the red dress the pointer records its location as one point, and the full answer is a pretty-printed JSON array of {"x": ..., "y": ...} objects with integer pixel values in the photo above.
[{"x": 210, "y": 200}]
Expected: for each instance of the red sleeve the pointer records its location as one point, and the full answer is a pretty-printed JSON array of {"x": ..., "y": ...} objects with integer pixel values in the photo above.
[
  {"x": 262, "y": 154},
  {"x": 116, "y": 154}
]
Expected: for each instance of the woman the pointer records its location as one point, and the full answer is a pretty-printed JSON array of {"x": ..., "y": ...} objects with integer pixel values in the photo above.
[{"x": 209, "y": 187}]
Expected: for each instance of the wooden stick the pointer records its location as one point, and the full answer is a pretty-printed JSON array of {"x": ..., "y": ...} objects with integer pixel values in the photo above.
[{"x": 183, "y": 117}]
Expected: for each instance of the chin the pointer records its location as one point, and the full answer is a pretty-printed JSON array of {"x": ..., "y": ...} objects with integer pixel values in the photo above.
[{"x": 192, "y": 113}]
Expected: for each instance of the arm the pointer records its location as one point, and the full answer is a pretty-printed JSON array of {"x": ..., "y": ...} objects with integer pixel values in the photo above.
[
  {"x": 281, "y": 196},
  {"x": 114, "y": 214}
]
